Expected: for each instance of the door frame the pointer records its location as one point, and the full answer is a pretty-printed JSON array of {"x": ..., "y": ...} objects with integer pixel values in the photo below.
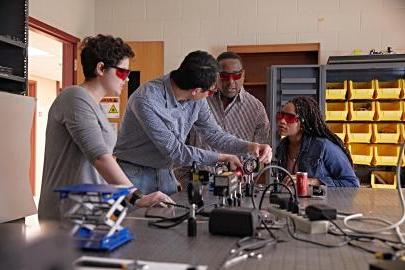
[
  {"x": 32, "y": 92},
  {"x": 69, "y": 66},
  {"x": 69, "y": 55}
]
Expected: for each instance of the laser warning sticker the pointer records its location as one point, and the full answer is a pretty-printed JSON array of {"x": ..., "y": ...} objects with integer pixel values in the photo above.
[
  {"x": 113, "y": 109},
  {"x": 111, "y": 106}
]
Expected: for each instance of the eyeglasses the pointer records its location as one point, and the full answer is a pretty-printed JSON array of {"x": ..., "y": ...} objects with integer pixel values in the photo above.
[
  {"x": 226, "y": 76},
  {"x": 288, "y": 117},
  {"x": 121, "y": 73}
]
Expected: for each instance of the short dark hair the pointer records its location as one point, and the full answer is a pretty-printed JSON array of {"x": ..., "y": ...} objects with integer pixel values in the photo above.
[
  {"x": 229, "y": 55},
  {"x": 101, "y": 48},
  {"x": 199, "y": 69}
]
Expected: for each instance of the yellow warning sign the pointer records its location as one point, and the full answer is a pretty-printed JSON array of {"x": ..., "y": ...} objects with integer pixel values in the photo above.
[{"x": 113, "y": 109}]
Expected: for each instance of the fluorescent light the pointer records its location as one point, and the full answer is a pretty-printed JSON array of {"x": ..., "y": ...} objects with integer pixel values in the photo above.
[{"x": 37, "y": 52}]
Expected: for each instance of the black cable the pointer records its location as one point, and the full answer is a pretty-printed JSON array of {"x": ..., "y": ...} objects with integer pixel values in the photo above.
[
  {"x": 362, "y": 248},
  {"x": 259, "y": 241},
  {"x": 163, "y": 217},
  {"x": 366, "y": 238},
  {"x": 292, "y": 234},
  {"x": 170, "y": 222},
  {"x": 278, "y": 168},
  {"x": 267, "y": 188},
  {"x": 274, "y": 167},
  {"x": 338, "y": 227},
  {"x": 160, "y": 223},
  {"x": 350, "y": 243},
  {"x": 200, "y": 211},
  {"x": 176, "y": 205},
  {"x": 268, "y": 229},
  {"x": 361, "y": 238}
]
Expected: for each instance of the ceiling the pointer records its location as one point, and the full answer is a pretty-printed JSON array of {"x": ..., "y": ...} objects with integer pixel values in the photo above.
[{"x": 44, "y": 57}]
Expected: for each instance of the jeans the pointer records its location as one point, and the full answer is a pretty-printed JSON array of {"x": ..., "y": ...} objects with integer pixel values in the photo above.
[{"x": 148, "y": 179}]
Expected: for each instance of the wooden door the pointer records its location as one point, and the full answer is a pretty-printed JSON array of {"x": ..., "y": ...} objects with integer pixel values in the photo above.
[
  {"x": 148, "y": 60},
  {"x": 32, "y": 92}
]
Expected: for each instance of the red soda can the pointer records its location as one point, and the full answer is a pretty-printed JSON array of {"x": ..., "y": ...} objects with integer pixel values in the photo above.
[{"x": 302, "y": 184}]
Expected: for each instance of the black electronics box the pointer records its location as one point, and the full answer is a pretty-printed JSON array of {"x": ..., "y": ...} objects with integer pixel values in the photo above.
[
  {"x": 235, "y": 221},
  {"x": 320, "y": 212}
]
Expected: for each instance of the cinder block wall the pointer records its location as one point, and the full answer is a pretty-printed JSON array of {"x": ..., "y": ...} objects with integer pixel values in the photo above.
[
  {"x": 75, "y": 17},
  {"x": 185, "y": 25}
]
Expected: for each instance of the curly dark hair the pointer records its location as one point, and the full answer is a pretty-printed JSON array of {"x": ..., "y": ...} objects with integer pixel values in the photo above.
[
  {"x": 199, "y": 69},
  {"x": 101, "y": 48},
  {"x": 313, "y": 124}
]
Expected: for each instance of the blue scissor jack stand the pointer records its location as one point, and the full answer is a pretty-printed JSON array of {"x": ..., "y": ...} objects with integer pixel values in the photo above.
[{"x": 96, "y": 214}]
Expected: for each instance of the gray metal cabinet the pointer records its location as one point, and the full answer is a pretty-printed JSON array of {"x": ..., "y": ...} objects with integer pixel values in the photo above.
[{"x": 288, "y": 81}]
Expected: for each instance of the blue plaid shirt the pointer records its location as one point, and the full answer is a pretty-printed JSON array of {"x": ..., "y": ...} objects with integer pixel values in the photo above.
[{"x": 155, "y": 127}]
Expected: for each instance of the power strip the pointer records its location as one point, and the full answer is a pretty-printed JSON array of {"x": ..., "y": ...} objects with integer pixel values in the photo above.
[{"x": 302, "y": 223}]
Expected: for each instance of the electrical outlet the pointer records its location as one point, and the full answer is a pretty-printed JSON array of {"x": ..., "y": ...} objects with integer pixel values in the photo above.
[{"x": 302, "y": 223}]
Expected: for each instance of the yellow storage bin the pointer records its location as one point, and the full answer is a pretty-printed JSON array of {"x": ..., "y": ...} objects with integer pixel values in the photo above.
[
  {"x": 386, "y": 133},
  {"x": 402, "y": 137},
  {"x": 336, "y": 90},
  {"x": 336, "y": 111},
  {"x": 402, "y": 88},
  {"x": 388, "y": 89},
  {"x": 339, "y": 129},
  {"x": 361, "y": 153},
  {"x": 361, "y": 90},
  {"x": 361, "y": 111},
  {"x": 387, "y": 110},
  {"x": 386, "y": 154},
  {"x": 359, "y": 133},
  {"x": 383, "y": 179},
  {"x": 403, "y": 109}
]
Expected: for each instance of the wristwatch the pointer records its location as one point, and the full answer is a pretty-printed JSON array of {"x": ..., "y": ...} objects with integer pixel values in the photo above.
[{"x": 136, "y": 195}]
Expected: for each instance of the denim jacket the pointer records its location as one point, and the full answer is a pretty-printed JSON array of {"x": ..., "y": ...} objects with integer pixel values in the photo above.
[{"x": 321, "y": 159}]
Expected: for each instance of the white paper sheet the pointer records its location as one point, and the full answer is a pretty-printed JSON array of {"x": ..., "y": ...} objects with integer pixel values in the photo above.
[
  {"x": 170, "y": 266},
  {"x": 144, "y": 265},
  {"x": 16, "y": 115}
]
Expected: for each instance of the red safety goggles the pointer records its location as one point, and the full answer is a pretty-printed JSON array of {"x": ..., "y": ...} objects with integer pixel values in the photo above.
[
  {"x": 121, "y": 73},
  {"x": 226, "y": 76},
  {"x": 212, "y": 90},
  {"x": 288, "y": 117},
  {"x": 211, "y": 93}
]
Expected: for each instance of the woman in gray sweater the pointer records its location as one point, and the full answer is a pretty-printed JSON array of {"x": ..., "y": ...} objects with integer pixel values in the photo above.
[{"x": 79, "y": 138}]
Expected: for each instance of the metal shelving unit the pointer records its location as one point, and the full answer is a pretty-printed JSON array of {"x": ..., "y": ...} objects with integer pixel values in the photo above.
[
  {"x": 14, "y": 46},
  {"x": 286, "y": 82}
]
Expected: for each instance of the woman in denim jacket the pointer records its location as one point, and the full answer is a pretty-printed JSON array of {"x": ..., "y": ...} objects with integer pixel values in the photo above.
[{"x": 309, "y": 146}]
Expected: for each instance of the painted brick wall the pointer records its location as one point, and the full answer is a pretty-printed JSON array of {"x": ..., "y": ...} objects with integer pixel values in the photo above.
[
  {"x": 76, "y": 17},
  {"x": 185, "y": 25}
]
